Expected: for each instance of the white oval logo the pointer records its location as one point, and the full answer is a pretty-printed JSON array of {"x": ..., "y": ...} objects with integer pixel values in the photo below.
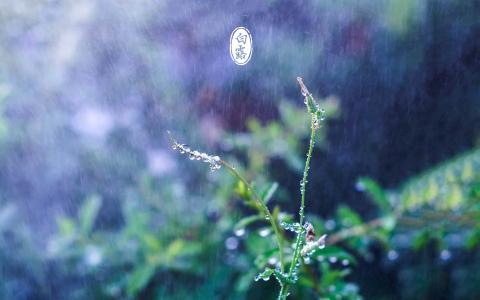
[{"x": 241, "y": 46}]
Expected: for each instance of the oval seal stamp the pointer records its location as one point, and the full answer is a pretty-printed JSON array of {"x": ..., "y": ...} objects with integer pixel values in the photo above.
[{"x": 241, "y": 46}]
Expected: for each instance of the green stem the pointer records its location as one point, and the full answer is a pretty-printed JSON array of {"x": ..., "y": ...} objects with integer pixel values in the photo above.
[
  {"x": 306, "y": 169},
  {"x": 265, "y": 209},
  {"x": 296, "y": 254}
]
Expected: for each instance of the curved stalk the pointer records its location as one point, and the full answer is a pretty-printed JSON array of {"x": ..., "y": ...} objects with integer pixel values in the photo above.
[{"x": 265, "y": 209}]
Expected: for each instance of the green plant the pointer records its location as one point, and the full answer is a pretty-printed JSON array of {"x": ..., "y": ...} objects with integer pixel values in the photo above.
[
  {"x": 436, "y": 217},
  {"x": 305, "y": 243}
]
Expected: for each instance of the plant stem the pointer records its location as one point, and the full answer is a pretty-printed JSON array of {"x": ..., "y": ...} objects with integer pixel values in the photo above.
[
  {"x": 305, "y": 170},
  {"x": 265, "y": 210},
  {"x": 296, "y": 254}
]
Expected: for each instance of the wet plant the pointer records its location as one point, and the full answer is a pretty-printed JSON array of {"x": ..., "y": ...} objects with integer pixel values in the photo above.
[{"x": 305, "y": 243}]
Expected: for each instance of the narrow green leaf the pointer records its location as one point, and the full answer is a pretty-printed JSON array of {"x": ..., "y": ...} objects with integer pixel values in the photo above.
[
  {"x": 348, "y": 217},
  {"x": 66, "y": 226},
  {"x": 268, "y": 194},
  {"x": 88, "y": 213},
  {"x": 373, "y": 189},
  {"x": 139, "y": 279},
  {"x": 244, "y": 222}
]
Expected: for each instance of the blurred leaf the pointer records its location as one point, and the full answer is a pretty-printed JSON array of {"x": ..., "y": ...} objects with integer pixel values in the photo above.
[
  {"x": 348, "y": 217},
  {"x": 376, "y": 193},
  {"x": 262, "y": 259},
  {"x": 334, "y": 252},
  {"x": 268, "y": 194},
  {"x": 140, "y": 277},
  {"x": 244, "y": 222},
  {"x": 174, "y": 249},
  {"x": 421, "y": 239},
  {"x": 245, "y": 281},
  {"x": 151, "y": 241},
  {"x": 444, "y": 187},
  {"x": 88, "y": 213},
  {"x": 473, "y": 239},
  {"x": 329, "y": 276},
  {"x": 243, "y": 192},
  {"x": 66, "y": 226}
]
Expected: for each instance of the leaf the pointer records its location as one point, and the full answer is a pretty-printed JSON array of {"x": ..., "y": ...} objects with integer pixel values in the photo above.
[
  {"x": 268, "y": 272},
  {"x": 244, "y": 222},
  {"x": 240, "y": 188},
  {"x": 88, "y": 213},
  {"x": 138, "y": 280},
  {"x": 332, "y": 251},
  {"x": 421, "y": 239},
  {"x": 348, "y": 217},
  {"x": 473, "y": 239},
  {"x": 174, "y": 249},
  {"x": 268, "y": 194},
  {"x": 243, "y": 283},
  {"x": 66, "y": 226},
  {"x": 331, "y": 276},
  {"x": 265, "y": 275},
  {"x": 152, "y": 243},
  {"x": 376, "y": 193},
  {"x": 262, "y": 259}
]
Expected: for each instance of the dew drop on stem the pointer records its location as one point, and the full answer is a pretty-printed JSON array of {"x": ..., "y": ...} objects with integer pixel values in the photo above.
[{"x": 240, "y": 232}]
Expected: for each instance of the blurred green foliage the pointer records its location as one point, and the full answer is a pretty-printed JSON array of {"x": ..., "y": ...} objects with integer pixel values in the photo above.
[
  {"x": 157, "y": 255},
  {"x": 407, "y": 75}
]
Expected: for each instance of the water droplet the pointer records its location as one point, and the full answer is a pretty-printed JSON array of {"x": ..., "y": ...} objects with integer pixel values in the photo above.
[
  {"x": 330, "y": 224},
  {"x": 307, "y": 260},
  {"x": 392, "y": 255},
  {"x": 272, "y": 260},
  {"x": 191, "y": 156},
  {"x": 322, "y": 110},
  {"x": 231, "y": 243},
  {"x": 320, "y": 258},
  {"x": 93, "y": 256},
  {"x": 333, "y": 259},
  {"x": 322, "y": 241},
  {"x": 240, "y": 232},
  {"x": 197, "y": 154},
  {"x": 445, "y": 254},
  {"x": 360, "y": 186},
  {"x": 264, "y": 232},
  {"x": 345, "y": 262},
  {"x": 174, "y": 146}
]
